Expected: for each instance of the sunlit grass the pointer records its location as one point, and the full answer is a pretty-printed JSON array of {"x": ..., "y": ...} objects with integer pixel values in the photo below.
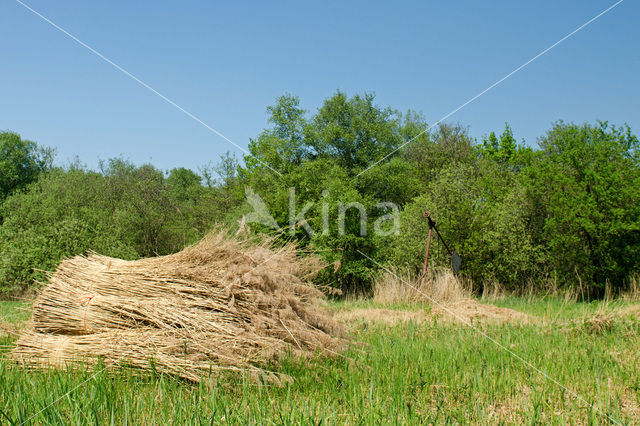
[
  {"x": 416, "y": 373},
  {"x": 14, "y": 311}
]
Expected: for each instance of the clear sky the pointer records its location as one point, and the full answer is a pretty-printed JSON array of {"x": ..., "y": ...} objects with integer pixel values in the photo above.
[{"x": 226, "y": 61}]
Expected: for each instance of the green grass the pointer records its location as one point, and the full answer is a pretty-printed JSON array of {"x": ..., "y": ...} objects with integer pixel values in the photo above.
[
  {"x": 14, "y": 312},
  {"x": 416, "y": 373},
  {"x": 551, "y": 307}
]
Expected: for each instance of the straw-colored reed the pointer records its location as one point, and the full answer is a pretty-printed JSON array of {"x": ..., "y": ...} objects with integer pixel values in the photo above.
[{"x": 221, "y": 304}]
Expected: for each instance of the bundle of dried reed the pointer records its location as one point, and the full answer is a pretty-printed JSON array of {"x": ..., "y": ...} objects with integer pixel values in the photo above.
[{"x": 221, "y": 304}]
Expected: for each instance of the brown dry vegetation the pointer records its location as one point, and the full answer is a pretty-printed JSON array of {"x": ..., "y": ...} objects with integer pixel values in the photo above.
[
  {"x": 441, "y": 286},
  {"x": 223, "y": 304},
  {"x": 439, "y": 295}
]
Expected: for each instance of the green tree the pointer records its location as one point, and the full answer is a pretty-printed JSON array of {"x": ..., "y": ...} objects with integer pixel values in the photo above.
[
  {"x": 62, "y": 214},
  {"x": 181, "y": 183},
  {"x": 505, "y": 151},
  {"x": 283, "y": 145},
  {"x": 227, "y": 169},
  {"x": 143, "y": 193},
  {"x": 396, "y": 180},
  {"x": 319, "y": 158},
  {"x": 21, "y": 161},
  {"x": 327, "y": 190},
  {"x": 432, "y": 152},
  {"x": 489, "y": 232},
  {"x": 355, "y": 132},
  {"x": 587, "y": 184}
]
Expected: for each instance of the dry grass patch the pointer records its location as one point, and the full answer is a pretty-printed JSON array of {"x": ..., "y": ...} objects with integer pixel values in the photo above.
[
  {"x": 380, "y": 315},
  {"x": 632, "y": 311},
  {"x": 441, "y": 286},
  {"x": 469, "y": 310},
  {"x": 449, "y": 296},
  {"x": 8, "y": 329},
  {"x": 464, "y": 311}
]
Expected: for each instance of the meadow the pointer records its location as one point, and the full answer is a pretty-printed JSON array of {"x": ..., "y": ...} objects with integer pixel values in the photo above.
[
  {"x": 349, "y": 183},
  {"x": 423, "y": 368}
]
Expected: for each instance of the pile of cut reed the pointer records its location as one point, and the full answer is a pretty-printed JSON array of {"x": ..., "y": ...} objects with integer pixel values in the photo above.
[{"x": 222, "y": 304}]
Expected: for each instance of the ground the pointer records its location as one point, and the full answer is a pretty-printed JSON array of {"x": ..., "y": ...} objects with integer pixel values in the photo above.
[{"x": 514, "y": 360}]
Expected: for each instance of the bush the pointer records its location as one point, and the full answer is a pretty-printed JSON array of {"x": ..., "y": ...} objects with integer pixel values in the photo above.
[
  {"x": 490, "y": 234},
  {"x": 585, "y": 184},
  {"x": 21, "y": 162},
  {"x": 570, "y": 208},
  {"x": 125, "y": 211}
]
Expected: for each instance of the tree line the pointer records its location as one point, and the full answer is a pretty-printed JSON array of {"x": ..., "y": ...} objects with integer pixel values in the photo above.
[{"x": 564, "y": 213}]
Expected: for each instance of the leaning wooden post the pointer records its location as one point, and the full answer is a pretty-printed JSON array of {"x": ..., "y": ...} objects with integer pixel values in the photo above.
[{"x": 426, "y": 254}]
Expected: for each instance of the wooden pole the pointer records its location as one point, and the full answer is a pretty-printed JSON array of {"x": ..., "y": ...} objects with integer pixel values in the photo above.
[{"x": 426, "y": 254}]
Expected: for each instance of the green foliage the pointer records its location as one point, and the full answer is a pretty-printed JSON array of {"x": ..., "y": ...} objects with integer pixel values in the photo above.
[
  {"x": 21, "y": 162},
  {"x": 319, "y": 157},
  {"x": 355, "y": 132},
  {"x": 494, "y": 200},
  {"x": 505, "y": 151},
  {"x": 227, "y": 170},
  {"x": 319, "y": 188},
  {"x": 501, "y": 150},
  {"x": 432, "y": 152},
  {"x": 281, "y": 147},
  {"x": 124, "y": 211},
  {"x": 182, "y": 182},
  {"x": 396, "y": 180},
  {"x": 586, "y": 185},
  {"x": 411, "y": 372},
  {"x": 26, "y": 254},
  {"x": 61, "y": 215},
  {"x": 515, "y": 214},
  {"x": 491, "y": 235}
]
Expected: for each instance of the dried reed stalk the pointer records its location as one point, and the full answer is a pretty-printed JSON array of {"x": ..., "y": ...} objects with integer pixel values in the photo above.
[{"x": 223, "y": 303}]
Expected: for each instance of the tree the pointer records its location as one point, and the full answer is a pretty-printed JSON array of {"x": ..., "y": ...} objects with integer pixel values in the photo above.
[
  {"x": 227, "y": 169},
  {"x": 355, "y": 132},
  {"x": 587, "y": 180},
  {"x": 432, "y": 152},
  {"x": 126, "y": 211},
  {"x": 396, "y": 180},
  {"x": 321, "y": 155},
  {"x": 282, "y": 146},
  {"x": 21, "y": 161},
  {"x": 489, "y": 232},
  {"x": 505, "y": 151},
  {"x": 181, "y": 181}
]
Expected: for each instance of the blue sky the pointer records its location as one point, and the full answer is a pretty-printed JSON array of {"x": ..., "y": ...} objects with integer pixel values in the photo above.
[{"x": 226, "y": 61}]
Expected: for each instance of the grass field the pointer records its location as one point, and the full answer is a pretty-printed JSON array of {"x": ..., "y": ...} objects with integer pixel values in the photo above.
[{"x": 417, "y": 372}]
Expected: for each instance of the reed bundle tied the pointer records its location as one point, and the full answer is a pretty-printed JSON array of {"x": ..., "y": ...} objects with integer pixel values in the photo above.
[{"x": 222, "y": 304}]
